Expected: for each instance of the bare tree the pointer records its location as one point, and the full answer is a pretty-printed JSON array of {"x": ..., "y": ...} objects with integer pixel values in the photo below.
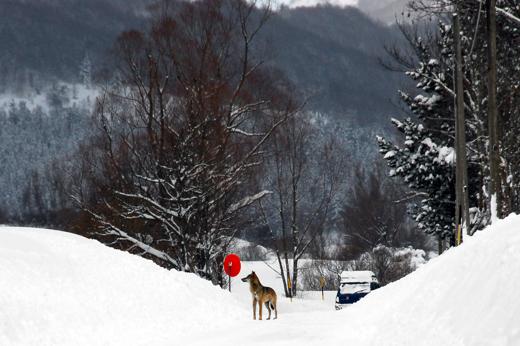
[
  {"x": 181, "y": 135},
  {"x": 376, "y": 214},
  {"x": 305, "y": 180}
]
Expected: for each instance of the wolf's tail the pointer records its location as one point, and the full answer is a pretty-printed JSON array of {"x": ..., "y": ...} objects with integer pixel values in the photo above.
[{"x": 272, "y": 305}]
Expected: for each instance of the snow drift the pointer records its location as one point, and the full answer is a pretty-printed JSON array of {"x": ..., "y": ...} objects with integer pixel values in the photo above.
[
  {"x": 61, "y": 289},
  {"x": 58, "y": 288},
  {"x": 467, "y": 296}
]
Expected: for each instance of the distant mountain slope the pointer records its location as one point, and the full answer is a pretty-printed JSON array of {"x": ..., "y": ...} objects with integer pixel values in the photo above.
[
  {"x": 333, "y": 54},
  {"x": 41, "y": 39},
  {"x": 330, "y": 52}
]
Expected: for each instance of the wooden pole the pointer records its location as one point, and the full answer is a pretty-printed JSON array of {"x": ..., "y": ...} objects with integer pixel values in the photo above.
[
  {"x": 495, "y": 188},
  {"x": 322, "y": 284},
  {"x": 289, "y": 286},
  {"x": 461, "y": 179}
]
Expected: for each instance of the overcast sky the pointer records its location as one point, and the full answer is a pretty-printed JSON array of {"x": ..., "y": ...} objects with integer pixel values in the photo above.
[
  {"x": 382, "y": 10},
  {"x": 296, "y": 3}
]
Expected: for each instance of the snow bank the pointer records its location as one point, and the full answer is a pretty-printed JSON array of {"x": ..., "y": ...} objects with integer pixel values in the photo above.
[
  {"x": 467, "y": 296},
  {"x": 61, "y": 289}
]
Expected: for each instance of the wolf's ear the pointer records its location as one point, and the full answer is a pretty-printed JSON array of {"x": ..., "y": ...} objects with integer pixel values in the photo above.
[{"x": 252, "y": 272}]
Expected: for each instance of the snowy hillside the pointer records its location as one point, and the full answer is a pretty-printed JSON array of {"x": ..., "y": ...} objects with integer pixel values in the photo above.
[
  {"x": 61, "y": 289},
  {"x": 68, "y": 95}
]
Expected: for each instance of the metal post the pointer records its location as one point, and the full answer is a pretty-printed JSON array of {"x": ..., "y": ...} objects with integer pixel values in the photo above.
[{"x": 229, "y": 276}]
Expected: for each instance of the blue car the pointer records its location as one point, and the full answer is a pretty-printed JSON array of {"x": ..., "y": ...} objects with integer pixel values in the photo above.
[{"x": 353, "y": 286}]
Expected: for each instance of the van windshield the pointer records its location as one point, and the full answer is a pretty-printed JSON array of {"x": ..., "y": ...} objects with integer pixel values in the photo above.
[{"x": 354, "y": 287}]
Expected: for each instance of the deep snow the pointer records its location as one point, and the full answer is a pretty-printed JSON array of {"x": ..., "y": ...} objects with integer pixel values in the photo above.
[{"x": 61, "y": 289}]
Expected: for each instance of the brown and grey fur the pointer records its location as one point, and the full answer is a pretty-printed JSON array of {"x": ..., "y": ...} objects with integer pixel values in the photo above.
[{"x": 261, "y": 295}]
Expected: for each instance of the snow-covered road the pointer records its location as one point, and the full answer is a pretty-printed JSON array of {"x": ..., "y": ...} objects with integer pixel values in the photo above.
[
  {"x": 61, "y": 289},
  {"x": 307, "y": 321}
]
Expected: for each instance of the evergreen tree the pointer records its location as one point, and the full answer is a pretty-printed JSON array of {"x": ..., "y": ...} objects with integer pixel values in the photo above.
[
  {"x": 425, "y": 159},
  {"x": 428, "y": 170}
]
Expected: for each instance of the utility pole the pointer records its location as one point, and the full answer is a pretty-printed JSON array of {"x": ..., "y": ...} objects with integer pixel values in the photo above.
[
  {"x": 461, "y": 179},
  {"x": 495, "y": 184}
]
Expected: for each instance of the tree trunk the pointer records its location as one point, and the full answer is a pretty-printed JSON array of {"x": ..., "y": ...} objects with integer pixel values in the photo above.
[
  {"x": 295, "y": 277},
  {"x": 288, "y": 270},
  {"x": 282, "y": 273}
]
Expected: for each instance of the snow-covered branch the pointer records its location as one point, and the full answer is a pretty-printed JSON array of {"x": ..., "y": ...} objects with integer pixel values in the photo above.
[
  {"x": 247, "y": 201},
  {"x": 503, "y": 12},
  {"x": 113, "y": 230},
  {"x": 508, "y": 15}
]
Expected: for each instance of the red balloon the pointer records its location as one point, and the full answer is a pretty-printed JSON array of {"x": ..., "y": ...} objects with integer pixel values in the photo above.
[{"x": 232, "y": 265}]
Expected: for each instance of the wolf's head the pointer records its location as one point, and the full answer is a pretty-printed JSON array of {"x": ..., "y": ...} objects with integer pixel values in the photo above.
[{"x": 250, "y": 277}]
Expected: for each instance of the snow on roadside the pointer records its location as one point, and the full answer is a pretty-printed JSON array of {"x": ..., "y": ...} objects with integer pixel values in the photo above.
[
  {"x": 467, "y": 296},
  {"x": 61, "y": 289}
]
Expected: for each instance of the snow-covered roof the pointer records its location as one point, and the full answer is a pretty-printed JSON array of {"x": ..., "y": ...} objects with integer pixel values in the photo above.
[{"x": 357, "y": 276}]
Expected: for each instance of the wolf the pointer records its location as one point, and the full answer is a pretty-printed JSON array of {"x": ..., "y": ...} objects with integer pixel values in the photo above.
[{"x": 262, "y": 295}]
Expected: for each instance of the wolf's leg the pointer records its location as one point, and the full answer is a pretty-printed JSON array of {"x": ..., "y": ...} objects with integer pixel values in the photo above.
[
  {"x": 268, "y": 309},
  {"x": 259, "y": 309},
  {"x": 254, "y": 309},
  {"x": 275, "y": 308}
]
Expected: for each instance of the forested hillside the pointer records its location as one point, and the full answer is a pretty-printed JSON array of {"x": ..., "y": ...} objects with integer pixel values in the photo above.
[
  {"x": 333, "y": 54},
  {"x": 48, "y": 39},
  {"x": 52, "y": 52}
]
